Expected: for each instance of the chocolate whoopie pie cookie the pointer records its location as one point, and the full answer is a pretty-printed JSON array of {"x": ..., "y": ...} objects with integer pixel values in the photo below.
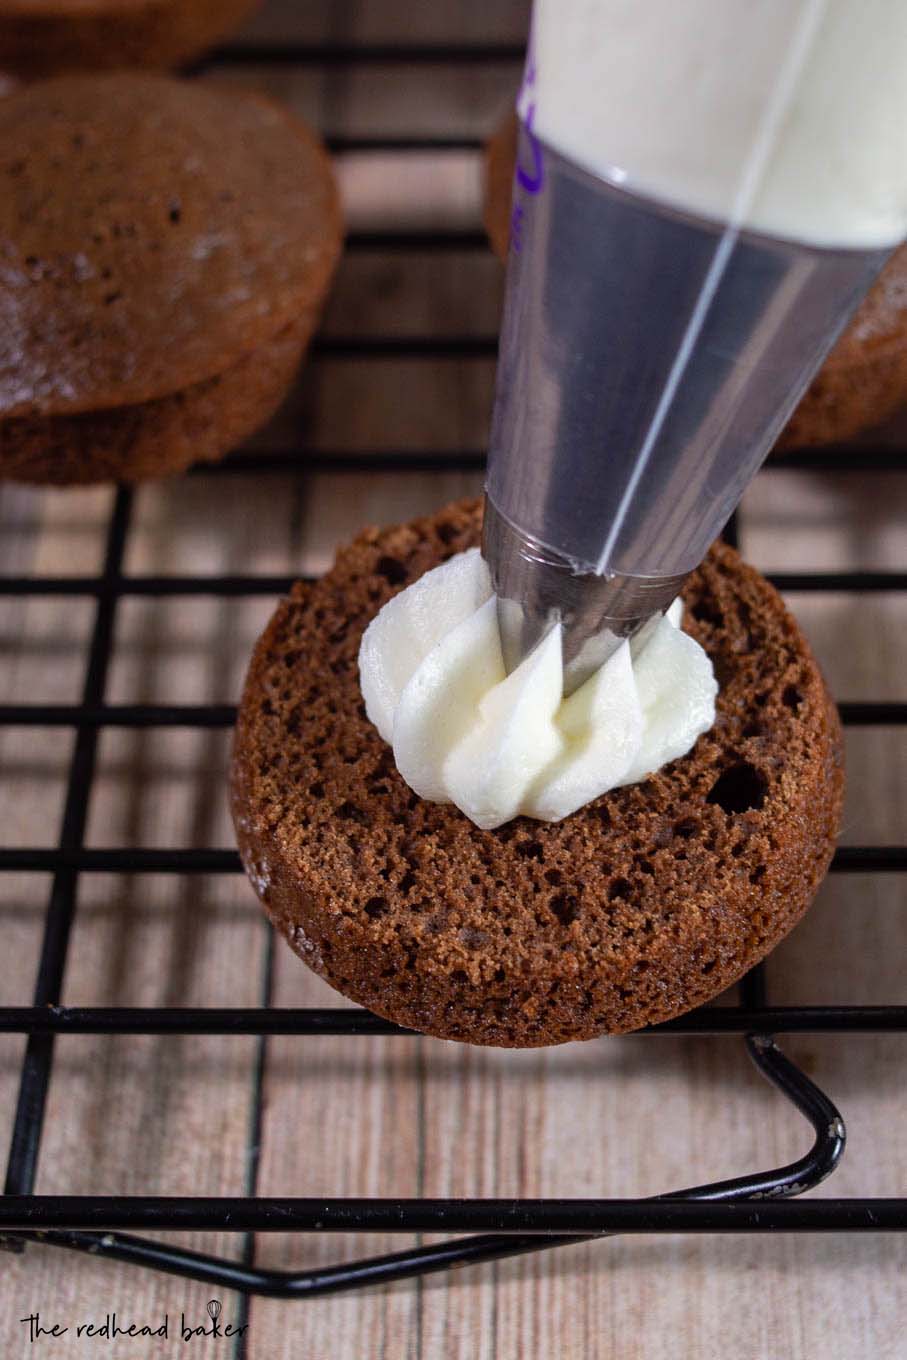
[
  {"x": 862, "y": 383},
  {"x": 165, "y": 250},
  {"x": 643, "y": 904},
  {"x": 46, "y": 37}
]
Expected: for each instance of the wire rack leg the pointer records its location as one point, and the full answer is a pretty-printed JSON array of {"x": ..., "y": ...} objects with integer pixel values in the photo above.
[{"x": 782, "y": 1182}]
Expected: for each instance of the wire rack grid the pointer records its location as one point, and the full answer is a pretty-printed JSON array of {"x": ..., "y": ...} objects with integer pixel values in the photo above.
[{"x": 105, "y": 1225}]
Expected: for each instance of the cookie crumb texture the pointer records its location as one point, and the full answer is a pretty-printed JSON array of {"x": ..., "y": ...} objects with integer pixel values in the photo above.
[
  {"x": 166, "y": 248},
  {"x": 644, "y": 904}
]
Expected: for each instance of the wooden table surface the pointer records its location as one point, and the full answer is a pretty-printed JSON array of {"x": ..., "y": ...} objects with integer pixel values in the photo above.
[{"x": 349, "y": 1116}]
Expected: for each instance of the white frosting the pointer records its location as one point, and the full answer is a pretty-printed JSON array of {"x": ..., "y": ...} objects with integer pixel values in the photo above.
[
  {"x": 788, "y": 115},
  {"x": 498, "y": 745}
]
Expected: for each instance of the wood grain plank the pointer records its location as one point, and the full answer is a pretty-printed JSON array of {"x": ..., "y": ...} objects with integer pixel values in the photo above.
[{"x": 342, "y": 1118}]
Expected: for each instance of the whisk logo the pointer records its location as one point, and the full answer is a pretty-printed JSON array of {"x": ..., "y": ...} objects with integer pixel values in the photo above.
[
  {"x": 213, "y": 1328},
  {"x": 114, "y": 1326}
]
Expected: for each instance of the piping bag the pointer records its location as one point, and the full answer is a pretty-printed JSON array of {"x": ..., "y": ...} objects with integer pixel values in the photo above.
[{"x": 704, "y": 191}]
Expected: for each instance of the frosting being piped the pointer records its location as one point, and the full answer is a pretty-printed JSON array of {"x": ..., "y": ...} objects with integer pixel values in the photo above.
[{"x": 499, "y": 746}]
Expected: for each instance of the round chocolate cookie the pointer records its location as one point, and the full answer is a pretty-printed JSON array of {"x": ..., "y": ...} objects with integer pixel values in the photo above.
[
  {"x": 643, "y": 904},
  {"x": 166, "y": 248},
  {"x": 862, "y": 383},
  {"x": 45, "y": 37}
]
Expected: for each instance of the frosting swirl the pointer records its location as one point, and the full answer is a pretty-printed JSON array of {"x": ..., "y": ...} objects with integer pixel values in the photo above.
[{"x": 499, "y": 746}]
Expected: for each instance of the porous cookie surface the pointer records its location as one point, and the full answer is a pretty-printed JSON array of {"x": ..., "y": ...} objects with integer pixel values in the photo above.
[
  {"x": 862, "y": 383},
  {"x": 642, "y": 905},
  {"x": 156, "y": 438},
  {"x": 152, "y": 233}
]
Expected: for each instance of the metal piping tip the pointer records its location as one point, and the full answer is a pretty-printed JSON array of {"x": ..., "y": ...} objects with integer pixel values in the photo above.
[{"x": 538, "y": 589}]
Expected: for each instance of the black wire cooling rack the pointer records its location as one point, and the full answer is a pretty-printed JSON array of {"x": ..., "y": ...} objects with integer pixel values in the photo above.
[{"x": 101, "y": 1224}]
